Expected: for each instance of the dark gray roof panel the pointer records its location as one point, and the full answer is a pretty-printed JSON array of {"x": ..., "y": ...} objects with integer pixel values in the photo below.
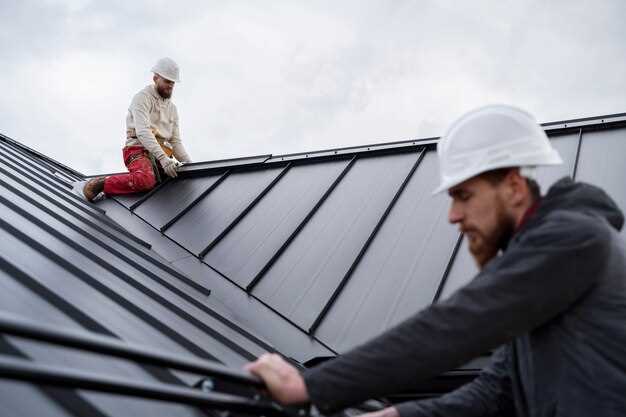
[
  {"x": 233, "y": 303},
  {"x": 243, "y": 253},
  {"x": 173, "y": 198},
  {"x": 401, "y": 270},
  {"x": 211, "y": 216},
  {"x": 601, "y": 162},
  {"x": 226, "y": 298},
  {"x": 40, "y": 159},
  {"x": 20, "y": 399},
  {"x": 462, "y": 271},
  {"x": 567, "y": 145},
  {"x": 135, "y": 226},
  {"x": 23, "y": 173},
  {"x": 129, "y": 200},
  {"x": 303, "y": 279}
]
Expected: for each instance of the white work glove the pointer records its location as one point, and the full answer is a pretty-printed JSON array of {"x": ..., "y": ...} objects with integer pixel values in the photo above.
[{"x": 169, "y": 166}]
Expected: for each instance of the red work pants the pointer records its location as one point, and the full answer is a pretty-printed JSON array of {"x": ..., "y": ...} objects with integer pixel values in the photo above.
[{"x": 140, "y": 175}]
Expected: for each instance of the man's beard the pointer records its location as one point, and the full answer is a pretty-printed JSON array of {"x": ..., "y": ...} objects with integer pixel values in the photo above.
[
  {"x": 489, "y": 245},
  {"x": 163, "y": 92}
]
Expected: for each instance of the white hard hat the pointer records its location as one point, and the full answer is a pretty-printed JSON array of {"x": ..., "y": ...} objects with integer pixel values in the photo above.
[
  {"x": 488, "y": 138},
  {"x": 167, "y": 68}
]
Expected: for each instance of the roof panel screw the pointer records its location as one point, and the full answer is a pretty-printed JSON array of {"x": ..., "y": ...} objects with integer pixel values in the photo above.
[{"x": 207, "y": 385}]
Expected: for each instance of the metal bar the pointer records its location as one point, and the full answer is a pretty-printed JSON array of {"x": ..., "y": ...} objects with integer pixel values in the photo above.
[
  {"x": 191, "y": 205},
  {"x": 224, "y": 163},
  {"x": 112, "y": 347},
  {"x": 245, "y": 211},
  {"x": 595, "y": 119},
  {"x": 19, "y": 276},
  {"x": 580, "y": 141},
  {"x": 22, "y": 370},
  {"x": 404, "y": 144},
  {"x": 149, "y": 194},
  {"x": 370, "y": 239},
  {"x": 446, "y": 271},
  {"x": 303, "y": 223},
  {"x": 86, "y": 177},
  {"x": 46, "y": 197},
  {"x": 71, "y": 401}
]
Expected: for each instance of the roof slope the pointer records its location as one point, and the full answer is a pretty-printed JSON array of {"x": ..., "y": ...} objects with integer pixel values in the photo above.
[
  {"x": 307, "y": 254},
  {"x": 342, "y": 244},
  {"x": 65, "y": 264}
]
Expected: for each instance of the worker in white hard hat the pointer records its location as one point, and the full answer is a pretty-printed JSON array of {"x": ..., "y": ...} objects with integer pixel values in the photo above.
[
  {"x": 550, "y": 296},
  {"x": 153, "y": 150}
]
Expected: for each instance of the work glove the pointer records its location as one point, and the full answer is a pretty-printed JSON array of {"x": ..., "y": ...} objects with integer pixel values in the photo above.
[{"x": 169, "y": 166}]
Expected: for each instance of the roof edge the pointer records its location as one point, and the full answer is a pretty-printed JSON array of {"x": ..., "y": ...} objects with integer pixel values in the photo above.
[
  {"x": 41, "y": 156},
  {"x": 551, "y": 128}
]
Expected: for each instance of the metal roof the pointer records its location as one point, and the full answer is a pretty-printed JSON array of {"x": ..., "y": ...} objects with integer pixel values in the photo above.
[{"x": 307, "y": 254}]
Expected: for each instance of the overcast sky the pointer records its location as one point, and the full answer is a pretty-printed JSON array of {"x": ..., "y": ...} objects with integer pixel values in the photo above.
[{"x": 288, "y": 76}]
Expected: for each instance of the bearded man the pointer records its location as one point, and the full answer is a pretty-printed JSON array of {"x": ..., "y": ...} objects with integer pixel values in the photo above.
[
  {"x": 152, "y": 138},
  {"x": 550, "y": 296}
]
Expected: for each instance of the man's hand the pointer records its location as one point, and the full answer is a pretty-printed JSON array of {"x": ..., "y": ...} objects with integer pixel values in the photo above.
[
  {"x": 169, "y": 166},
  {"x": 283, "y": 381},
  {"x": 386, "y": 412}
]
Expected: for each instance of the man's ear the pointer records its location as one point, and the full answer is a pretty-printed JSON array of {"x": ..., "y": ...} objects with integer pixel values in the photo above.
[
  {"x": 155, "y": 77},
  {"x": 516, "y": 186}
]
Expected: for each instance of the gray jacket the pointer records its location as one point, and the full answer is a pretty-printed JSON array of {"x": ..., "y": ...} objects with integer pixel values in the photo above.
[{"x": 555, "y": 301}]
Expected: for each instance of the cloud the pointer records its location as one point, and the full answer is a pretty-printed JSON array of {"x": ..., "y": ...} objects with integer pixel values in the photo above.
[{"x": 279, "y": 76}]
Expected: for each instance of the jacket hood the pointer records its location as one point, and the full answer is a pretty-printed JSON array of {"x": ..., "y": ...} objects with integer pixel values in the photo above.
[{"x": 579, "y": 196}]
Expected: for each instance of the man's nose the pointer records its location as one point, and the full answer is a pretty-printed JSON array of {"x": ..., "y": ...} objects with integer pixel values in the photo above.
[{"x": 455, "y": 215}]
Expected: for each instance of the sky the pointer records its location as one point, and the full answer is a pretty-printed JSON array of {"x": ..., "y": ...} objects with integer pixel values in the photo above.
[{"x": 279, "y": 77}]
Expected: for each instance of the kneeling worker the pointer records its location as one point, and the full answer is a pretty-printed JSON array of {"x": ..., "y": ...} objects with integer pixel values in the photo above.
[{"x": 152, "y": 138}]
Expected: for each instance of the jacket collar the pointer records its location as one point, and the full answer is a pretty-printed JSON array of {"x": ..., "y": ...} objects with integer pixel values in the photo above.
[
  {"x": 152, "y": 90},
  {"x": 528, "y": 214}
]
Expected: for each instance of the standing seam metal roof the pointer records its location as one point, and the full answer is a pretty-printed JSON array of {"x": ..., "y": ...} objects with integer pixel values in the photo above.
[{"x": 307, "y": 254}]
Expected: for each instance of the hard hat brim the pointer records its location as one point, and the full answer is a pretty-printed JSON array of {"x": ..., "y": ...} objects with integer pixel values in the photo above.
[
  {"x": 553, "y": 159},
  {"x": 167, "y": 78}
]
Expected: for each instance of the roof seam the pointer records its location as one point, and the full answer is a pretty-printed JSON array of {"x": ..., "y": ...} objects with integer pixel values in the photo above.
[
  {"x": 255, "y": 280},
  {"x": 244, "y": 212},
  {"x": 197, "y": 200},
  {"x": 344, "y": 280}
]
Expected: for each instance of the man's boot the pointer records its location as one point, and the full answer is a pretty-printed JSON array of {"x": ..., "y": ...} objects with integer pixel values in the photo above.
[{"x": 93, "y": 187}]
